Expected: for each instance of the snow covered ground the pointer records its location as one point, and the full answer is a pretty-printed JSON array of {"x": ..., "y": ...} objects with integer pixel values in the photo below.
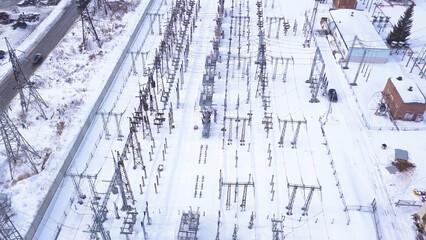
[{"x": 338, "y": 145}]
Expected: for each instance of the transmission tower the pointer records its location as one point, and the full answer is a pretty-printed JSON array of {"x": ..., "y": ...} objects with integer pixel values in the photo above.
[
  {"x": 189, "y": 225},
  {"x": 86, "y": 23},
  {"x": 123, "y": 181},
  {"x": 100, "y": 212},
  {"x": 99, "y": 4},
  {"x": 17, "y": 148},
  {"x": 147, "y": 101},
  {"x": 318, "y": 68},
  {"x": 99, "y": 217},
  {"x": 261, "y": 58},
  {"x": 134, "y": 143},
  {"x": 7, "y": 229},
  {"x": 277, "y": 229},
  {"x": 310, "y": 24},
  {"x": 23, "y": 83}
]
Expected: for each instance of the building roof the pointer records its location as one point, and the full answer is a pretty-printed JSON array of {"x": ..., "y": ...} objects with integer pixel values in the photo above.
[
  {"x": 359, "y": 25},
  {"x": 401, "y": 154},
  {"x": 407, "y": 96}
]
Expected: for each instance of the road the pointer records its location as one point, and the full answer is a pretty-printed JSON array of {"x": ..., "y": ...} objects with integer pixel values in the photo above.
[{"x": 44, "y": 46}]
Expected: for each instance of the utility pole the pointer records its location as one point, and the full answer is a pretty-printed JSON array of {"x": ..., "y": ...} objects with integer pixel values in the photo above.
[
  {"x": 359, "y": 68},
  {"x": 218, "y": 226},
  {"x": 350, "y": 52}
]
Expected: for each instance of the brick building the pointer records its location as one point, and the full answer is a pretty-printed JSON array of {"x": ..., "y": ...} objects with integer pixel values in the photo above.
[
  {"x": 344, "y": 4},
  {"x": 404, "y": 99}
]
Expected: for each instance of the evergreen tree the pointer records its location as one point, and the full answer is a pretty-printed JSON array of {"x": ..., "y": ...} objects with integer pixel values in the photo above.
[{"x": 401, "y": 31}]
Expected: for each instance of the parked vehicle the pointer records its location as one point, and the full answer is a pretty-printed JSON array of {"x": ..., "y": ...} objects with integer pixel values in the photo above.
[
  {"x": 332, "y": 95},
  {"x": 2, "y": 53}
]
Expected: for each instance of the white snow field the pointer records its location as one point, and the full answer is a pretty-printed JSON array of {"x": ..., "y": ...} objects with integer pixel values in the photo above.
[{"x": 247, "y": 168}]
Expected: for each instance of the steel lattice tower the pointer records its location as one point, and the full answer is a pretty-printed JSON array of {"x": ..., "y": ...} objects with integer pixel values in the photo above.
[
  {"x": 7, "y": 229},
  {"x": 86, "y": 23},
  {"x": 23, "y": 83},
  {"x": 17, "y": 148},
  {"x": 261, "y": 54},
  {"x": 122, "y": 181}
]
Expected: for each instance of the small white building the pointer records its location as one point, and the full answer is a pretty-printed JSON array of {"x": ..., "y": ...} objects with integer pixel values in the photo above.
[{"x": 345, "y": 24}]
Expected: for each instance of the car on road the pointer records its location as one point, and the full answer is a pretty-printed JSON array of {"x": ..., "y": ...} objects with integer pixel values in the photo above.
[
  {"x": 332, "y": 95},
  {"x": 37, "y": 58}
]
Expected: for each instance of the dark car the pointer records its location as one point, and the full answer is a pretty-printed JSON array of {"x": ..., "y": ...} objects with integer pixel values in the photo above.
[
  {"x": 37, "y": 58},
  {"x": 332, "y": 95},
  {"x": 2, "y": 53}
]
